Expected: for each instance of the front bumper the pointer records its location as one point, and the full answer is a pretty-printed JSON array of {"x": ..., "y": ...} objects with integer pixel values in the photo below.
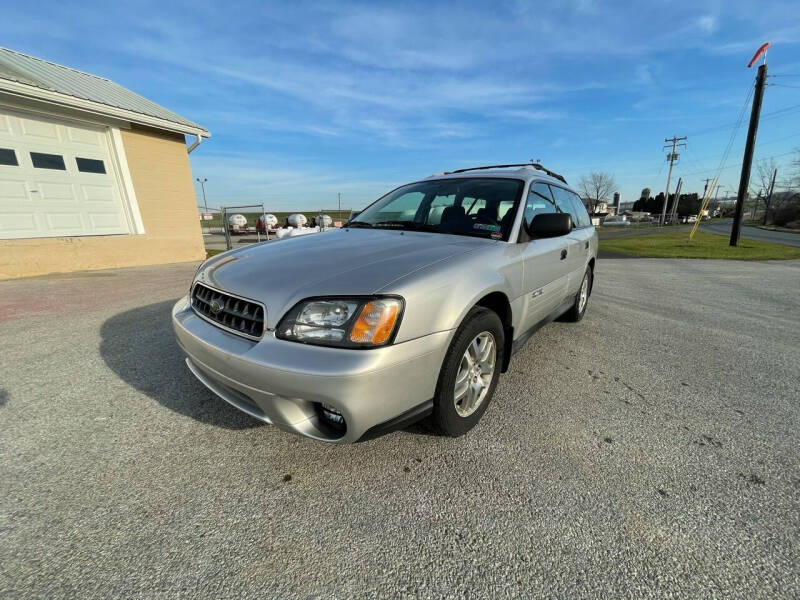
[{"x": 283, "y": 383}]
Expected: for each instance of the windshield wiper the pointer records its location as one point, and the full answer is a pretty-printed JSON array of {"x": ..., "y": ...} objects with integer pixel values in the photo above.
[{"x": 358, "y": 224}]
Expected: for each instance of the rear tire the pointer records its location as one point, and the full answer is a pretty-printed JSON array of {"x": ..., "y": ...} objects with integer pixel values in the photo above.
[
  {"x": 469, "y": 374},
  {"x": 578, "y": 309}
]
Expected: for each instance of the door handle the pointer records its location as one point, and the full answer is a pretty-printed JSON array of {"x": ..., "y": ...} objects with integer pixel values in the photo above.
[{"x": 563, "y": 254}]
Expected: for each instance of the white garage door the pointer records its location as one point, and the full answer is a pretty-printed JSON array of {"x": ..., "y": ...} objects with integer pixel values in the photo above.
[{"x": 57, "y": 179}]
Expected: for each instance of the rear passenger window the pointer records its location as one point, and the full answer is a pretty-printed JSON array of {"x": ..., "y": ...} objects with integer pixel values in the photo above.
[
  {"x": 503, "y": 208},
  {"x": 90, "y": 165},
  {"x": 8, "y": 157},
  {"x": 436, "y": 209},
  {"x": 48, "y": 161},
  {"x": 582, "y": 216},
  {"x": 563, "y": 200},
  {"x": 539, "y": 202},
  {"x": 473, "y": 205}
]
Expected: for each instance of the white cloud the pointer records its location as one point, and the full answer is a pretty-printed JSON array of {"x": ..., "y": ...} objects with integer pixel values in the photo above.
[{"x": 707, "y": 24}]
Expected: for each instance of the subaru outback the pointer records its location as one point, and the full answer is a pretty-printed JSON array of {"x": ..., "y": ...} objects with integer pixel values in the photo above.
[{"x": 411, "y": 310}]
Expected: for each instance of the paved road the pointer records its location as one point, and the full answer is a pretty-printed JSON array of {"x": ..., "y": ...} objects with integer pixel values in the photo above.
[
  {"x": 723, "y": 227},
  {"x": 651, "y": 451}
]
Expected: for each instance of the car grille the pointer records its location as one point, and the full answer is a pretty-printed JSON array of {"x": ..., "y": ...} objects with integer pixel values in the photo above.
[{"x": 235, "y": 314}]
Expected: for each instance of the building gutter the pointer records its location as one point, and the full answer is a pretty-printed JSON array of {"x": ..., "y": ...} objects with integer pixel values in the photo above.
[{"x": 195, "y": 144}]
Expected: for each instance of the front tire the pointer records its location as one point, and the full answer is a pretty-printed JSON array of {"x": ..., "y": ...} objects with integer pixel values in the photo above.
[{"x": 469, "y": 373}]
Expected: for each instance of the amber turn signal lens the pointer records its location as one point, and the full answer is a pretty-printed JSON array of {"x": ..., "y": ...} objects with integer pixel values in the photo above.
[{"x": 376, "y": 322}]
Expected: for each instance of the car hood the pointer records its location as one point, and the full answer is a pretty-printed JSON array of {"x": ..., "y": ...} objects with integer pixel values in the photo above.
[{"x": 336, "y": 262}]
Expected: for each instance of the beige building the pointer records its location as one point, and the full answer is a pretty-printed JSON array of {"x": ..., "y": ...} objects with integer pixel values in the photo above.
[{"x": 92, "y": 175}]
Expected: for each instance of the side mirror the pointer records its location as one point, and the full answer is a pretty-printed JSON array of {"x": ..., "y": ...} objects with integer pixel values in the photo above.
[
  {"x": 550, "y": 225},
  {"x": 354, "y": 214}
]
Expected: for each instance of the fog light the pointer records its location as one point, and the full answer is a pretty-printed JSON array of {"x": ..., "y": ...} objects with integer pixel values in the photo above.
[{"x": 332, "y": 415}]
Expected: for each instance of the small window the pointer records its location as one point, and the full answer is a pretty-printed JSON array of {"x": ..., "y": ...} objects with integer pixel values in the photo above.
[
  {"x": 90, "y": 165},
  {"x": 48, "y": 161},
  {"x": 503, "y": 207},
  {"x": 474, "y": 205},
  {"x": 540, "y": 202},
  {"x": 563, "y": 200},
  {"x": 436, "y": 209},
  {"x": 8, "y": 157},
  {"x": 580, "y": 212}
]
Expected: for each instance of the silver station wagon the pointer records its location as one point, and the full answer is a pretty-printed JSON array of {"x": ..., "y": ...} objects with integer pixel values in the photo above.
[{"x": 410, "y": 311}]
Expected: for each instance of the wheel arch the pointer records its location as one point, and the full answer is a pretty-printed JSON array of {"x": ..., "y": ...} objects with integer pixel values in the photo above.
[{"x": 499, "y": 303}]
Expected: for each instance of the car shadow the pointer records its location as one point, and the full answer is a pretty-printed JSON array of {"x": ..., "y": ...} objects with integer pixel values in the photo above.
[{"x": 139, "y": 346}]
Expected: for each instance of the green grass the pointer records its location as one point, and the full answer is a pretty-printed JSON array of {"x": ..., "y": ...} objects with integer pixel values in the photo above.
[
  {"x": 704, "y": 245},
  {"x": 601, "y": 231},
  {"x": 210, "y": 253}
]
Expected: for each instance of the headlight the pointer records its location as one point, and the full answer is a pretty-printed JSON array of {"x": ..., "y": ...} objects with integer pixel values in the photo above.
[{"x": 343, "y": 322}]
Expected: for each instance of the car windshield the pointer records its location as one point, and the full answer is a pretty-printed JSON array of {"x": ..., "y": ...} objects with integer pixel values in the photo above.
[{"x": 480, "y": 206}]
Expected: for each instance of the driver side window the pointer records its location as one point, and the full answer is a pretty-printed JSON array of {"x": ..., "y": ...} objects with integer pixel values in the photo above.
[{"x": 539, "y": 202}]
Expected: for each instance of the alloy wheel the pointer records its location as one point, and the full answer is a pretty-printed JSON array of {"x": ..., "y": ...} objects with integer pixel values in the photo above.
[{"x": 475, "y": 373}]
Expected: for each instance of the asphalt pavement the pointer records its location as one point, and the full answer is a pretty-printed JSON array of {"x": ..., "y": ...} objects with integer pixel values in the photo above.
[
  {"x": 652, "y": 450},
  {"x": 723, "y": 227}
]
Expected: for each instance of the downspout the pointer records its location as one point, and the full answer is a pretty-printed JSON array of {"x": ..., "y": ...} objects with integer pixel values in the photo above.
[{"x": 195, "y": 144}]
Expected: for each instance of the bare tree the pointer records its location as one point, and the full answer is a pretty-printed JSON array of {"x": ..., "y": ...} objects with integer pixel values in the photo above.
[
  {"x": 597, "y": 188},
  {"x": 793, "y": 182},
  {"x": 764, "y": 170},
  {"x": 786, "y": 188}
]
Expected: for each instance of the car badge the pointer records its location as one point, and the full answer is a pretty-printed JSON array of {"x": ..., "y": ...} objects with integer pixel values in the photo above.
[{"x": 216, "y": 306}]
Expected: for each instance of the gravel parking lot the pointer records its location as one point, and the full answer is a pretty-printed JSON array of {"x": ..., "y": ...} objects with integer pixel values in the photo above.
[{"x": 652, "y": 450}]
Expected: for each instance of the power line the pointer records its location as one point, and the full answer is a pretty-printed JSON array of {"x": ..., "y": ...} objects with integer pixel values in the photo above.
[
  {"x": 694, "y": 160},
  {"x": 738, "y": 164},
  {"x": 701, "y": 159},
  {"x": 793, "y": 108}
]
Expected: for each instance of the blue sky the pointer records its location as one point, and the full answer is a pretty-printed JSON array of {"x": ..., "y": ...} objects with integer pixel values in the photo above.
[{"x": 305, "y": 100}]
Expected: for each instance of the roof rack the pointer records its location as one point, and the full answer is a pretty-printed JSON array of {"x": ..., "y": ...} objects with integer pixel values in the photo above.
[{"x": 533, "y": 165}]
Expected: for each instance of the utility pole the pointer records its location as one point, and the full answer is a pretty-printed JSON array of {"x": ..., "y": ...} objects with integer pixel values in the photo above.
[
  {"x": 202, "y": 183},
  {"x": 340, "y": 205},
  {"x": 705, "y": 187},
  {"x": 747, "y": 163},
  {"x": 671, "y": 157},
  {"x": 674, "y": 212},
  {"x": 768, "y": 201}
]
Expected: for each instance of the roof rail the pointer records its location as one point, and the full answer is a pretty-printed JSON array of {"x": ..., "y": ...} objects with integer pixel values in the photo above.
[{"x": 533, "y": 165}]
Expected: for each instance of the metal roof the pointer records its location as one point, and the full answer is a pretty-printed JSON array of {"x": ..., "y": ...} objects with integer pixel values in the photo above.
[{"x": 35, "y": 72}]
